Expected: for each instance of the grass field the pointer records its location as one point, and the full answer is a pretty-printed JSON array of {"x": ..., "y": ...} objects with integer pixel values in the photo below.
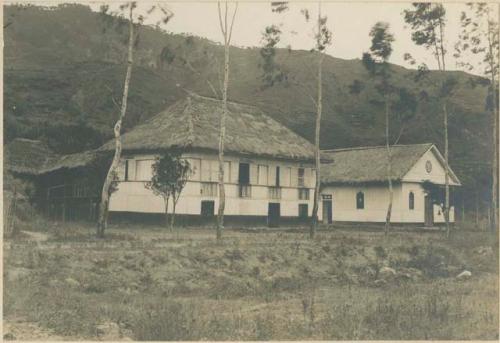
[{"x": 151, "y": 284}]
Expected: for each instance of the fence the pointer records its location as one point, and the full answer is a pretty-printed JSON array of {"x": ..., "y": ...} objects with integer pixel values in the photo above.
[{"x": 17, "y": 210}]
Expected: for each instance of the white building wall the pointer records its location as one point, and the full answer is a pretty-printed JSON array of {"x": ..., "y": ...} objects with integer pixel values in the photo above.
[
  {"x": 376, "y": 199},
  {"x": 376, "y": 203},
  {"x": 133, "y": 196},
  {"x": 418, "y": 172}
]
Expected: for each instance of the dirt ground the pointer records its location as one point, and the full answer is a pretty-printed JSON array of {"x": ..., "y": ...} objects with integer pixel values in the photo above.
[{"x": 147, "y": 283}]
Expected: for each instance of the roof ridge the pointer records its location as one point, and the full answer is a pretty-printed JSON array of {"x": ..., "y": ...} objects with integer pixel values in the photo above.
[{"x": 373, "y": 147}]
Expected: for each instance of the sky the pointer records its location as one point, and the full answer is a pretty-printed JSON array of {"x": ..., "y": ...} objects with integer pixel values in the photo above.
[{"x": 350, "y": 23}]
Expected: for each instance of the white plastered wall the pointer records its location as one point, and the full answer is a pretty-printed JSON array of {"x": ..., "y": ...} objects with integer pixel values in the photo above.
[{"x": 133, "y": 196}]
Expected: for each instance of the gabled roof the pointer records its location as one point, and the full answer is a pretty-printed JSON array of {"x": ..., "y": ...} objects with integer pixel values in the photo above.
[
  {"x": 193, "y": 123},
  {"x": 369, "y": 164},
  {"x": 34, "y": 157}
]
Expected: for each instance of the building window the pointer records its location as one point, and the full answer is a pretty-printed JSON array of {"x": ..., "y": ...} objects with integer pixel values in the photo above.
[
  {"x": 411, "y": 201},
  {"x": 274, "y": 193},
  {"x": 143, "y": 171},
  {"x": 360, "y": 200},
  {"x": 227, "y": 171},
  {"x": 277, "y": 176},
  {"x": 301, "y": 177},
  {"x": 244, "y": 174},
  {"x": 209, "y": 189},
  {"x": 262, "y": 173},
  {"x": 207, "y": 208},
  {"x": 287, "y": 177},
  {"x": 303, "y": 193},
  {"x": 126, "y": 170},
  {"x": 303, "y": 211}
]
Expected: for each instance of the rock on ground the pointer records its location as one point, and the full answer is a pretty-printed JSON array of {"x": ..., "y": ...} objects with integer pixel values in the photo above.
[{"x": 464, "y": 275}]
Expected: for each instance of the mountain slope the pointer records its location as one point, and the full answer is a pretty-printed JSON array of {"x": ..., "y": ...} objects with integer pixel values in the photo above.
[{"x": 62, "y": 71}]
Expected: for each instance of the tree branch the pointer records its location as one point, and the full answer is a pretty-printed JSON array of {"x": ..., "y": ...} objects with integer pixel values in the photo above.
[
  {"x": 232, "y": 23},
  {"x": 220, "y": 22}
]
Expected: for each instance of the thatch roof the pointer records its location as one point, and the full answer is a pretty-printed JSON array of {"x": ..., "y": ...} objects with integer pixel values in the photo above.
[
  {"x": 369, "y": 164},
  {"x": 193, "y": 123},
  {"x": 34, "y": 157},
  {"x": 26, "y": 156}
]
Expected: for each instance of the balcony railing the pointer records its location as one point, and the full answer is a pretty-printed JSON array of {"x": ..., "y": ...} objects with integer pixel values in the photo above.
[
  {"x": 245, "y": 191},
  {"x": 274, "y": 192},
  {"x": 303, "y": 193}
]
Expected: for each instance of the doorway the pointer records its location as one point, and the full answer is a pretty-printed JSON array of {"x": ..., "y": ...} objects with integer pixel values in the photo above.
[
  {"x": 327, "y": 212},
  {"x": 207, "y": 208},
  {"x": 273, "y": 214},
  {"x": 428, "y": 212}
]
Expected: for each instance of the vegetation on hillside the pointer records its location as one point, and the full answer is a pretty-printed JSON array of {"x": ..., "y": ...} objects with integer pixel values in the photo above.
[{"x": 60, "y": 71}]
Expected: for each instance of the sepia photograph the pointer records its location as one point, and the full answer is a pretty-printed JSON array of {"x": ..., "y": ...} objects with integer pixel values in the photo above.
[{"x": 250, "y": 171}]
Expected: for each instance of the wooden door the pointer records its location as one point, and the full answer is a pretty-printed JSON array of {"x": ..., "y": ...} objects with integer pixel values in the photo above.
[
  {"x": 429, "y": 212},
  {"x": 207, "y": 208},
  {"x": 273, "y": 214},
  {"x": 327, "y": 212}
]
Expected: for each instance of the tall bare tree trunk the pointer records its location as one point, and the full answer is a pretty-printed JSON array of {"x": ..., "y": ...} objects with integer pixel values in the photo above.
[
  {"x": 494, "y": 170},
  {"x": 226, "y": 32},
  {"x": 172, "y": 218},
  {"x": 317, "y": 152},
  {"x": 165, "y": 199},
  {"x": 495, "y": 96},
  {"x": 222, "y": 137},
  {"x": 389, "y": 169},
  {"x": 104, "y": 205},
  {"x": 317, "y": 134},
  {"x": 446, "y": 173}
]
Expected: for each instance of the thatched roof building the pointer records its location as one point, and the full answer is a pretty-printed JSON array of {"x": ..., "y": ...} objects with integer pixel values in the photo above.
[
  {"x": 369, "y": 164},
  {"x": 34, "y": 157},
  {"x": 193, "y": 124}
]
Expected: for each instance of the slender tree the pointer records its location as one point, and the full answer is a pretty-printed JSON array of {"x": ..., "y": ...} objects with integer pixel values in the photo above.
[
  {"x": 105, "y": 194},
  {"x": 427, "y": 21},
  {"x": 272, "y": 73},
  {"x": 323, "y": 38},
  {"x": 480, "y": 36},
  {"x": 133, "y": 26},
  {"x": 227, "y": 31},
  {"x": 170, "y": 174},
  {"x": 377, "y": 63}
]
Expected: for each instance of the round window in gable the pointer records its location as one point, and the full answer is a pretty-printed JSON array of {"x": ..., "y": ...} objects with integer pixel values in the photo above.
[{"x": 428, "y": 166}]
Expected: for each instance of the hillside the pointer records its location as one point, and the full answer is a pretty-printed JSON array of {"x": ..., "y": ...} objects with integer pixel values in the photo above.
[{"x": 62, "y": 70}]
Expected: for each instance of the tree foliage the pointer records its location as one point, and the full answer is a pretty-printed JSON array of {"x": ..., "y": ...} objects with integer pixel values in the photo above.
[
  {"x": 479, "y": 36},
  {"x": 271, "y": 70},
  {"x": 427, "y": 21},
  {"x": 170, "y": 174}
]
